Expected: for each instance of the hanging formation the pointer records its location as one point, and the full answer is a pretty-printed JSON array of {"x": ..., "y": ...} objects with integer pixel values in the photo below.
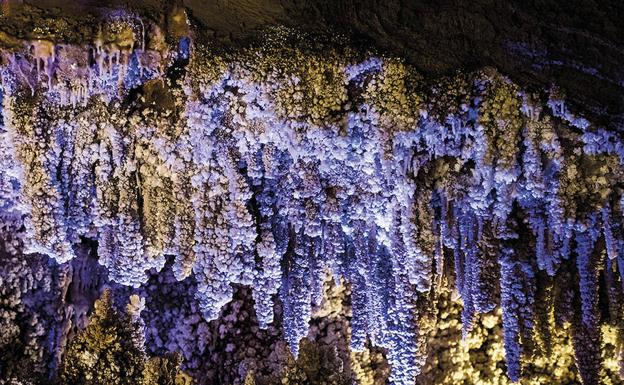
[{"x": 274, "y": 168}]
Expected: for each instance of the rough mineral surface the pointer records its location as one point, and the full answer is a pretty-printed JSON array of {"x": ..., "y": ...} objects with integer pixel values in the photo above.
[{"x": 293, "y": 212}]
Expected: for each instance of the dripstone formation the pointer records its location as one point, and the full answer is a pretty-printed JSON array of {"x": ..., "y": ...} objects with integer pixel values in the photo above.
[{"x": 238, "y": 189}]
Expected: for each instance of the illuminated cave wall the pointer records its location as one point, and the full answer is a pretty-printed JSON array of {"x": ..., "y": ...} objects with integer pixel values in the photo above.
[{"x": 456, "y": 230}]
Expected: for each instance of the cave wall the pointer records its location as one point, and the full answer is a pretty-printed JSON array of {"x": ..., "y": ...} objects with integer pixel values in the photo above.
[{"x": 575, "y": 45}]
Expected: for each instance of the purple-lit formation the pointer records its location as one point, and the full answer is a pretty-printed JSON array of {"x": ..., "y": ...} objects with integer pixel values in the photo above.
[{"x": 261, "y": 172}]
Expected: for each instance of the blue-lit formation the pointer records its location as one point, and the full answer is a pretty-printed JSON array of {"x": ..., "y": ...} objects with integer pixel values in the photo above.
[{"x": 243, "y": 181}]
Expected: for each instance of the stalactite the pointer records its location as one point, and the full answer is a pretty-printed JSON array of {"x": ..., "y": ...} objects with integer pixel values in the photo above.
[
  {"x": 296, "y": 294},
  {"x": 518, "y": 283},
  {"x": 273, "y": 168},
  {"x": 586, "y": 322}
]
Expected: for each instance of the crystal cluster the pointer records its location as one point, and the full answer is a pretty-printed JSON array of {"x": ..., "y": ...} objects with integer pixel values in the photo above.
[{"x": 273, "y": 167}]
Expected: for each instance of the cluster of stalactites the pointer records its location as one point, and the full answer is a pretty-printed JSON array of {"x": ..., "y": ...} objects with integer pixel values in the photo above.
[
  {"x": 239, "y": 193},
  {"x": 121, "y": 57}
]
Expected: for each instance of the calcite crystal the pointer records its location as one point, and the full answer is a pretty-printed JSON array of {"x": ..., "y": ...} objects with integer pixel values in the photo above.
[{"x": 275, "y": 166}]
